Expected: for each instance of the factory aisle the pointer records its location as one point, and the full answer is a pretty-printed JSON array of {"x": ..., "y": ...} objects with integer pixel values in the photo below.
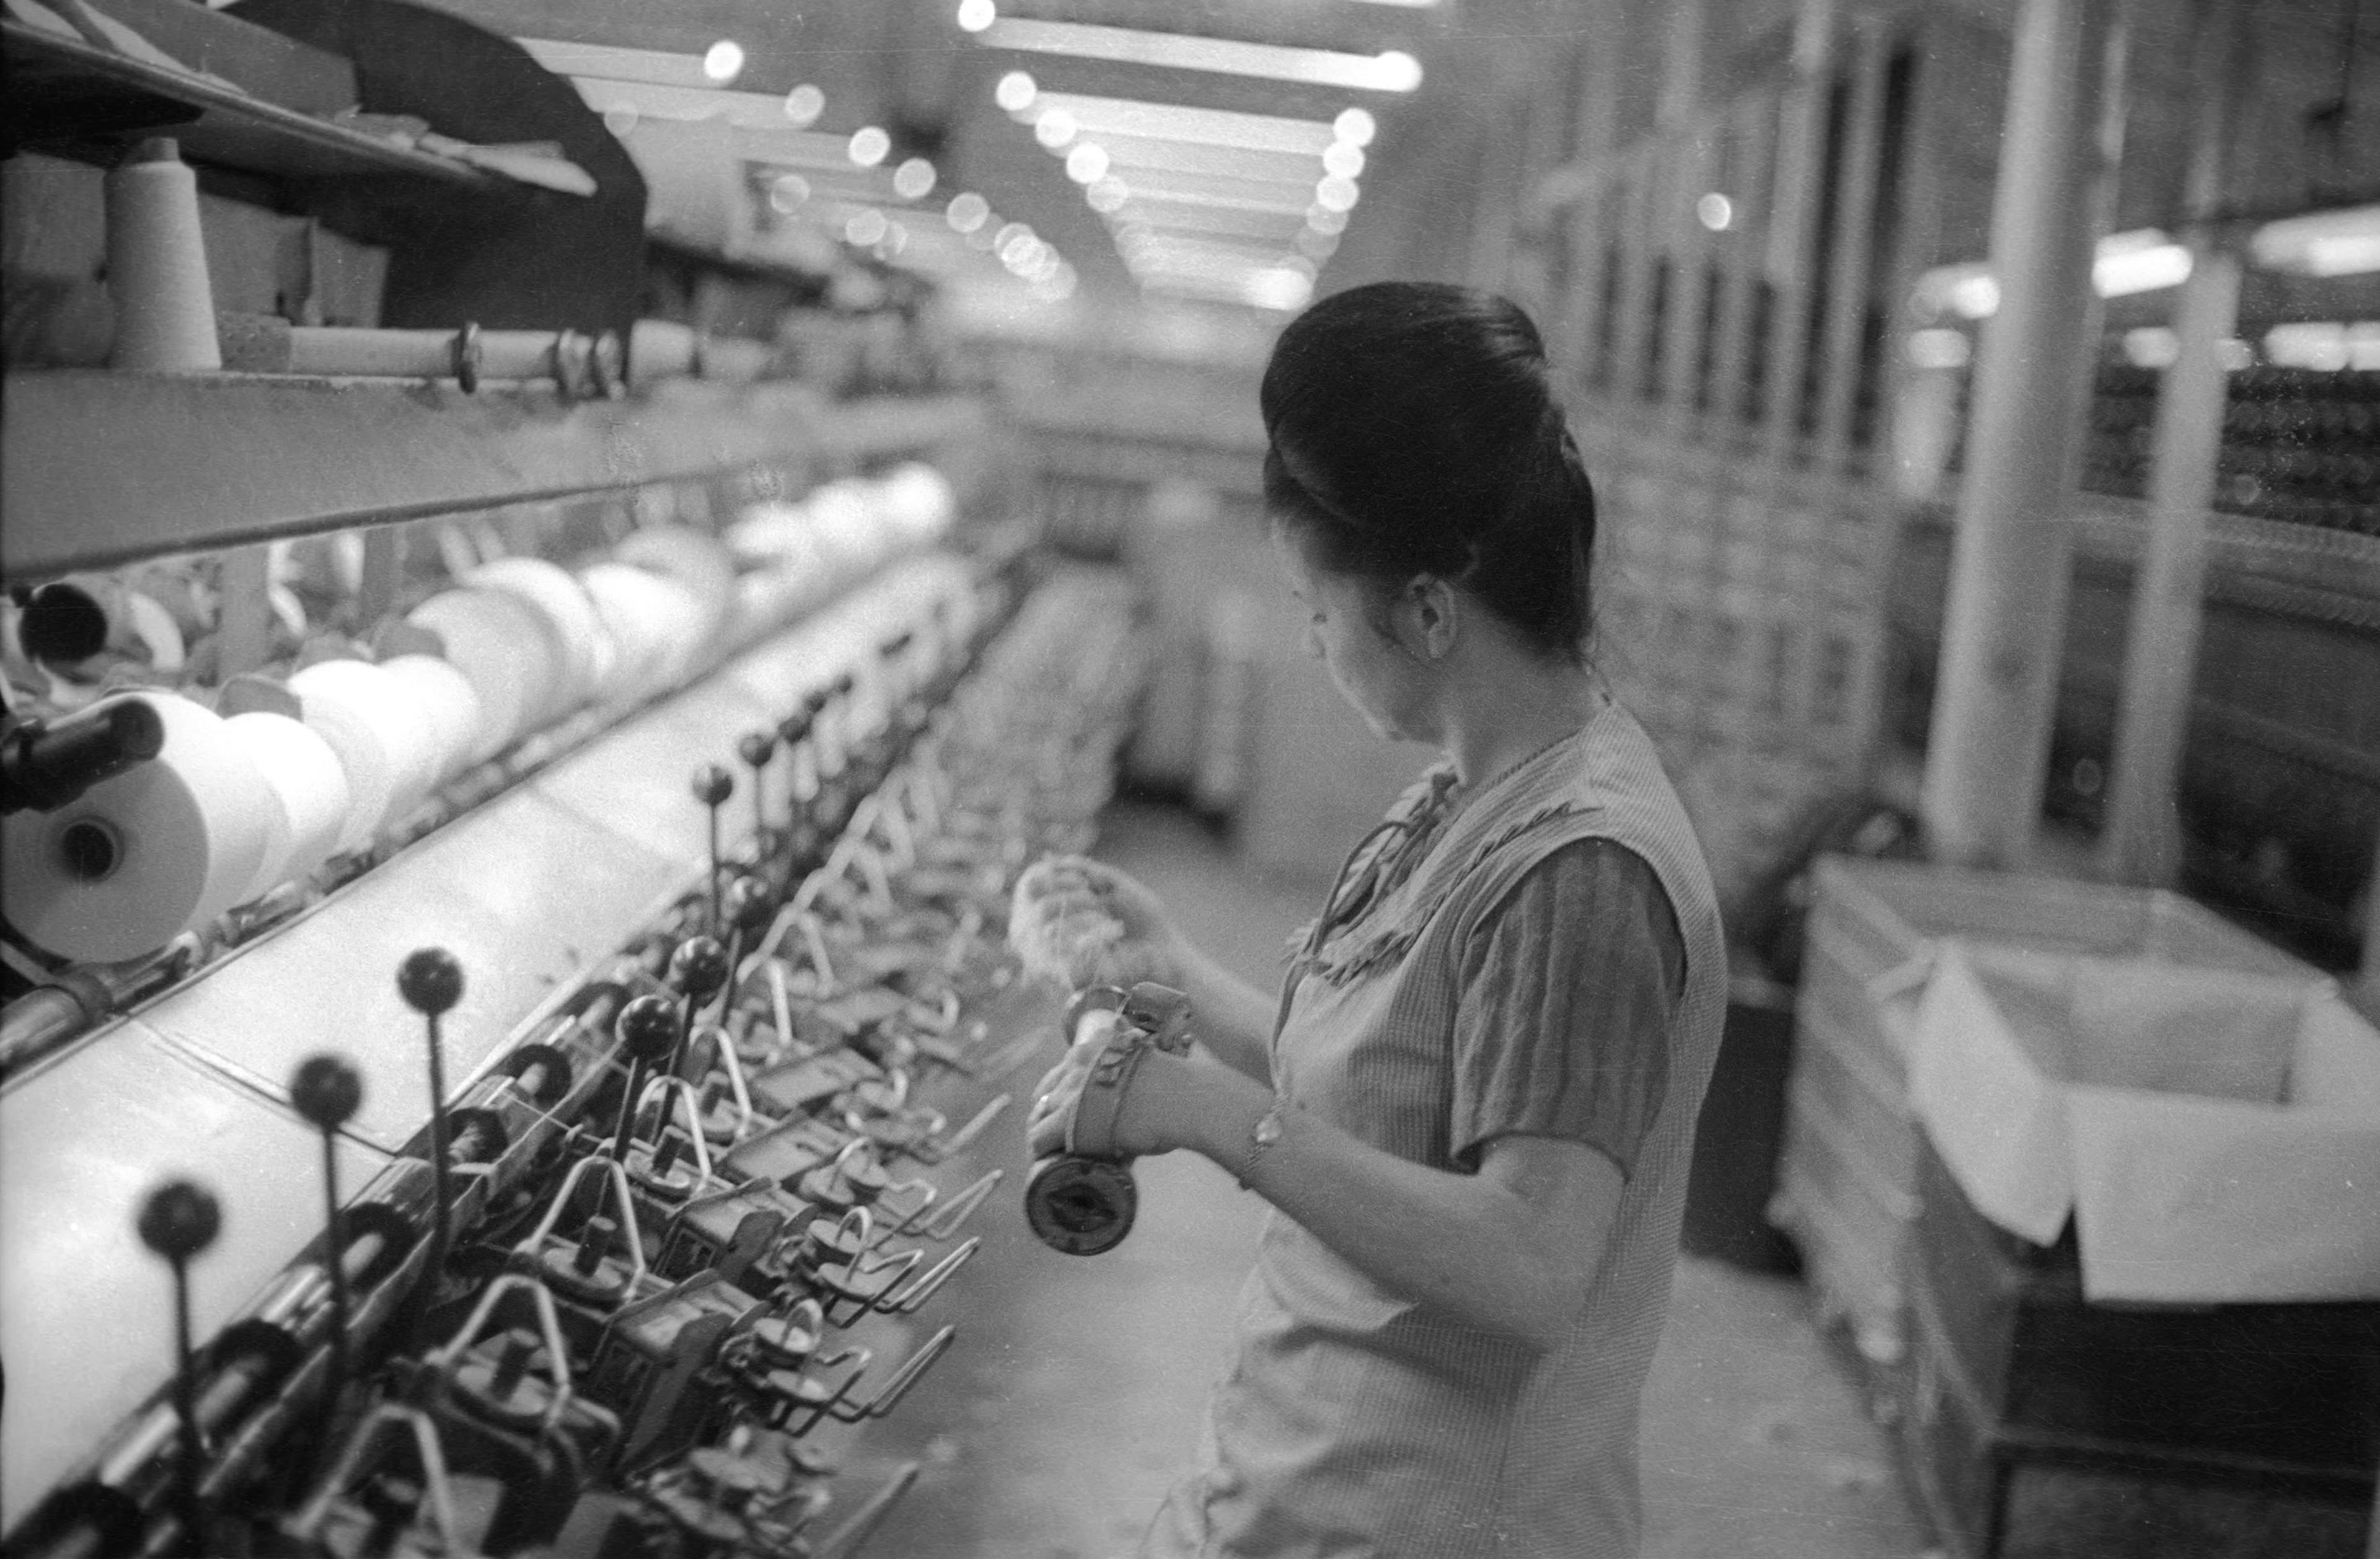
[{"x": 1074, "y": 1395}]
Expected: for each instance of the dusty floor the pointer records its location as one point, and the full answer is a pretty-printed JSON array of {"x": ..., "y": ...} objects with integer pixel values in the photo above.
[{"x": 1074, "y": 1397}]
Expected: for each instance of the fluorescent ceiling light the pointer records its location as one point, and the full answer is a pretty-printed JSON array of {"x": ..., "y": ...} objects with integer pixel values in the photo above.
[
  {"x": 1229, "y": 162},
  {"x": 2329, "y": 243},
  {"x": 2141, "y": 260},
  {"x": 1287, "y": 194},
  {"x": 1280, "y": 291},
  {"x": 1392, "y": 72},
  {"x": 1343, "y": 160},
  {"x": 1102, "y": 117},
  {"x": 1015, "y": 92},
  {"x": 1159, "y": 255},
  {"x": 750, "y": 111},
  {"x": 723, "y": 62},
  {"x": 652, "y": 67},
  {"x": 1157, "y": 212}
]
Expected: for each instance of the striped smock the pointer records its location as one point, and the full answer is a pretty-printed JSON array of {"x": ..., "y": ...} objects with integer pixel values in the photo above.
[{"x": 1355, "y": 1424}]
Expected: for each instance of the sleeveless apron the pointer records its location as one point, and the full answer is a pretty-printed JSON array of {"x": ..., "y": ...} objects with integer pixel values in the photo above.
[{"x": 1354, "y": 1424}]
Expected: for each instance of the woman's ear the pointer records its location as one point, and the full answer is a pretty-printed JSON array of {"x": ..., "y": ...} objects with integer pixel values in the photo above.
[{"x": 1434, "y": 616}]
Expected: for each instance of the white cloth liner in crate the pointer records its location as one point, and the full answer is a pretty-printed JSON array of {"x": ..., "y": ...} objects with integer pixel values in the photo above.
[{"x": 2215, "y": 1133}]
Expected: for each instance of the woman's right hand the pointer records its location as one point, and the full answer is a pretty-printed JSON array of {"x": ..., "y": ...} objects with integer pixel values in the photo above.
[{"x": 1081, "y": 922}]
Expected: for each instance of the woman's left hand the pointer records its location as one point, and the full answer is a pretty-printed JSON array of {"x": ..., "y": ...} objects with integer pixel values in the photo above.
[{"x": 1159, "y": 1098}]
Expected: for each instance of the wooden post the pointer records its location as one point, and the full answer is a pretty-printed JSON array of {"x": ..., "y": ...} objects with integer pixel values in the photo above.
[
  {"x": 1632, "y": 332},
  {"x": 2006, "y": 621},
  {"x": 1794, "y": 231},
  {"x": 1602, "y": 208},
  {"x": 1916, "y": 248},
  {"x": 244, "y": 624},
  {"x": 383, "y": 572},
  {"x": 2144, "y": 837},
  {"x": 1578, "y": 323},
  {"x": 1694, "y": 154},
  {"x": 1843, "y": 339},
  {"x": 1826, "y": 699},
  {"x": 1749, "y": 169}
]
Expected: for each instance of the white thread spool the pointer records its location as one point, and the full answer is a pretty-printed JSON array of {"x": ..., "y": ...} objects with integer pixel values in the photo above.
[
  {"x": 309, "y": 790},
  {"x": 162, "y": 848},
  {"x": 656, "y": 623},
  {"x": 513, "y": 658},
  {"x": 556, "y": 595},
  {"x": 157, "y": 265},
  {"x": 451, "y": 703},
  {"x": 704, "y": 567},
  {"x": 381, "y": 735}
]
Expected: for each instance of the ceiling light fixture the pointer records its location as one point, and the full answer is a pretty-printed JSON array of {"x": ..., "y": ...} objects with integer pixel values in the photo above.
[
  {"x": 1055, "y": 129},
  {"x": 1394, "y": 72},
  {"x": 967, "y": 211},
  {"x": 1343, "y": 160},
  {"x": 2328, "y": 243},
  {"x": 723, "y": 62},
  {"x": 1015, "y": 92},
  {"x": 1107, "y": 117},
  {"x": 2145, "y": 260}
]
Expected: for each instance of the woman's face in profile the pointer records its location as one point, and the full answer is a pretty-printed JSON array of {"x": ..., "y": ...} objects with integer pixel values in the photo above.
[{"x": 1375, "y": 676}]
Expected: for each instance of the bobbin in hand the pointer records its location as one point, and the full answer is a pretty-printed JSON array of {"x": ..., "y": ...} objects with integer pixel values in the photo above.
[{"x": 1086, "y": 1105}]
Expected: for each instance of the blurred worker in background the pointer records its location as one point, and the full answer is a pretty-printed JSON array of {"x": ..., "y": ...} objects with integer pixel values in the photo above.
[{"x": 1473, "y": 1106}]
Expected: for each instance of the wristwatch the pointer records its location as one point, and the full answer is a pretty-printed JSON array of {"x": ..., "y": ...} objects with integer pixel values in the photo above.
[{"x": 1266, "y": 1133}]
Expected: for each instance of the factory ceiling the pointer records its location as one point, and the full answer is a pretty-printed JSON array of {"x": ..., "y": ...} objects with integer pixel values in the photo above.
[{"x": 1220, "y": 150}]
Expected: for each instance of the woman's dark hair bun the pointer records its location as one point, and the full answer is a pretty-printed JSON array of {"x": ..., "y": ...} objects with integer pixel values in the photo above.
[{"x": 1412, "y": 432}]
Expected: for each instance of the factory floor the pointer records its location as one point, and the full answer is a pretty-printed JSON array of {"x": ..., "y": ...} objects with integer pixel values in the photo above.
[{"x": 1074, "y": 1396}]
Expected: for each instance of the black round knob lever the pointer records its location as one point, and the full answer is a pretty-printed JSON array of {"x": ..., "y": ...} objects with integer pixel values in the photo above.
[
  {"x": 698, "y": 967},
  {"x": 326, "y": 1089},
  {"x": 749, "y": 904},
  {"x": 431, "y": 980},
  {"x": 180, "y": 1219},
  {"x": 712, "y": 785},
  {"x": 647, "y": 1028}
]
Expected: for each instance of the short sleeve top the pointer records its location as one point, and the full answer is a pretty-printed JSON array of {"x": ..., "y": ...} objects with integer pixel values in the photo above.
[{"x": 1568, "y": 990}]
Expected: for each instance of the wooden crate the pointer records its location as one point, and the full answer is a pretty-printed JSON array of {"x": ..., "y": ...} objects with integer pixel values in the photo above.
[
  {"x": 2034, "y": 1424},
  {"x": 1847, "y": 1185}
]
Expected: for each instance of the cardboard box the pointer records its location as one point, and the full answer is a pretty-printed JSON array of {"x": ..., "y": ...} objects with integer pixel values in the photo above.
[{"x": 2215, "y": 1135}]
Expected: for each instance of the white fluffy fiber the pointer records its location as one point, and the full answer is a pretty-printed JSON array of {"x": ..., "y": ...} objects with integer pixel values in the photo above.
[{"x": 1074, "y": 947}]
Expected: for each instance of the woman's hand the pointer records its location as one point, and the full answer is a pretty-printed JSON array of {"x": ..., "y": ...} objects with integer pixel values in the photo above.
[
  {"x": 1158, "y": 1112},
  {"x": 1079, "y": 922}
]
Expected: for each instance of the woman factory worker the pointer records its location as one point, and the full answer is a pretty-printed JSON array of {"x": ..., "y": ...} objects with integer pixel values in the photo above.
[{"x": 1473, "y": 1106}]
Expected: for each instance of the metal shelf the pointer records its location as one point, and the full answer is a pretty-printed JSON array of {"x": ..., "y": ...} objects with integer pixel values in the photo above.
[
  {"x": 99, "y": 468},
  {"x": 71, "y": 96}
]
